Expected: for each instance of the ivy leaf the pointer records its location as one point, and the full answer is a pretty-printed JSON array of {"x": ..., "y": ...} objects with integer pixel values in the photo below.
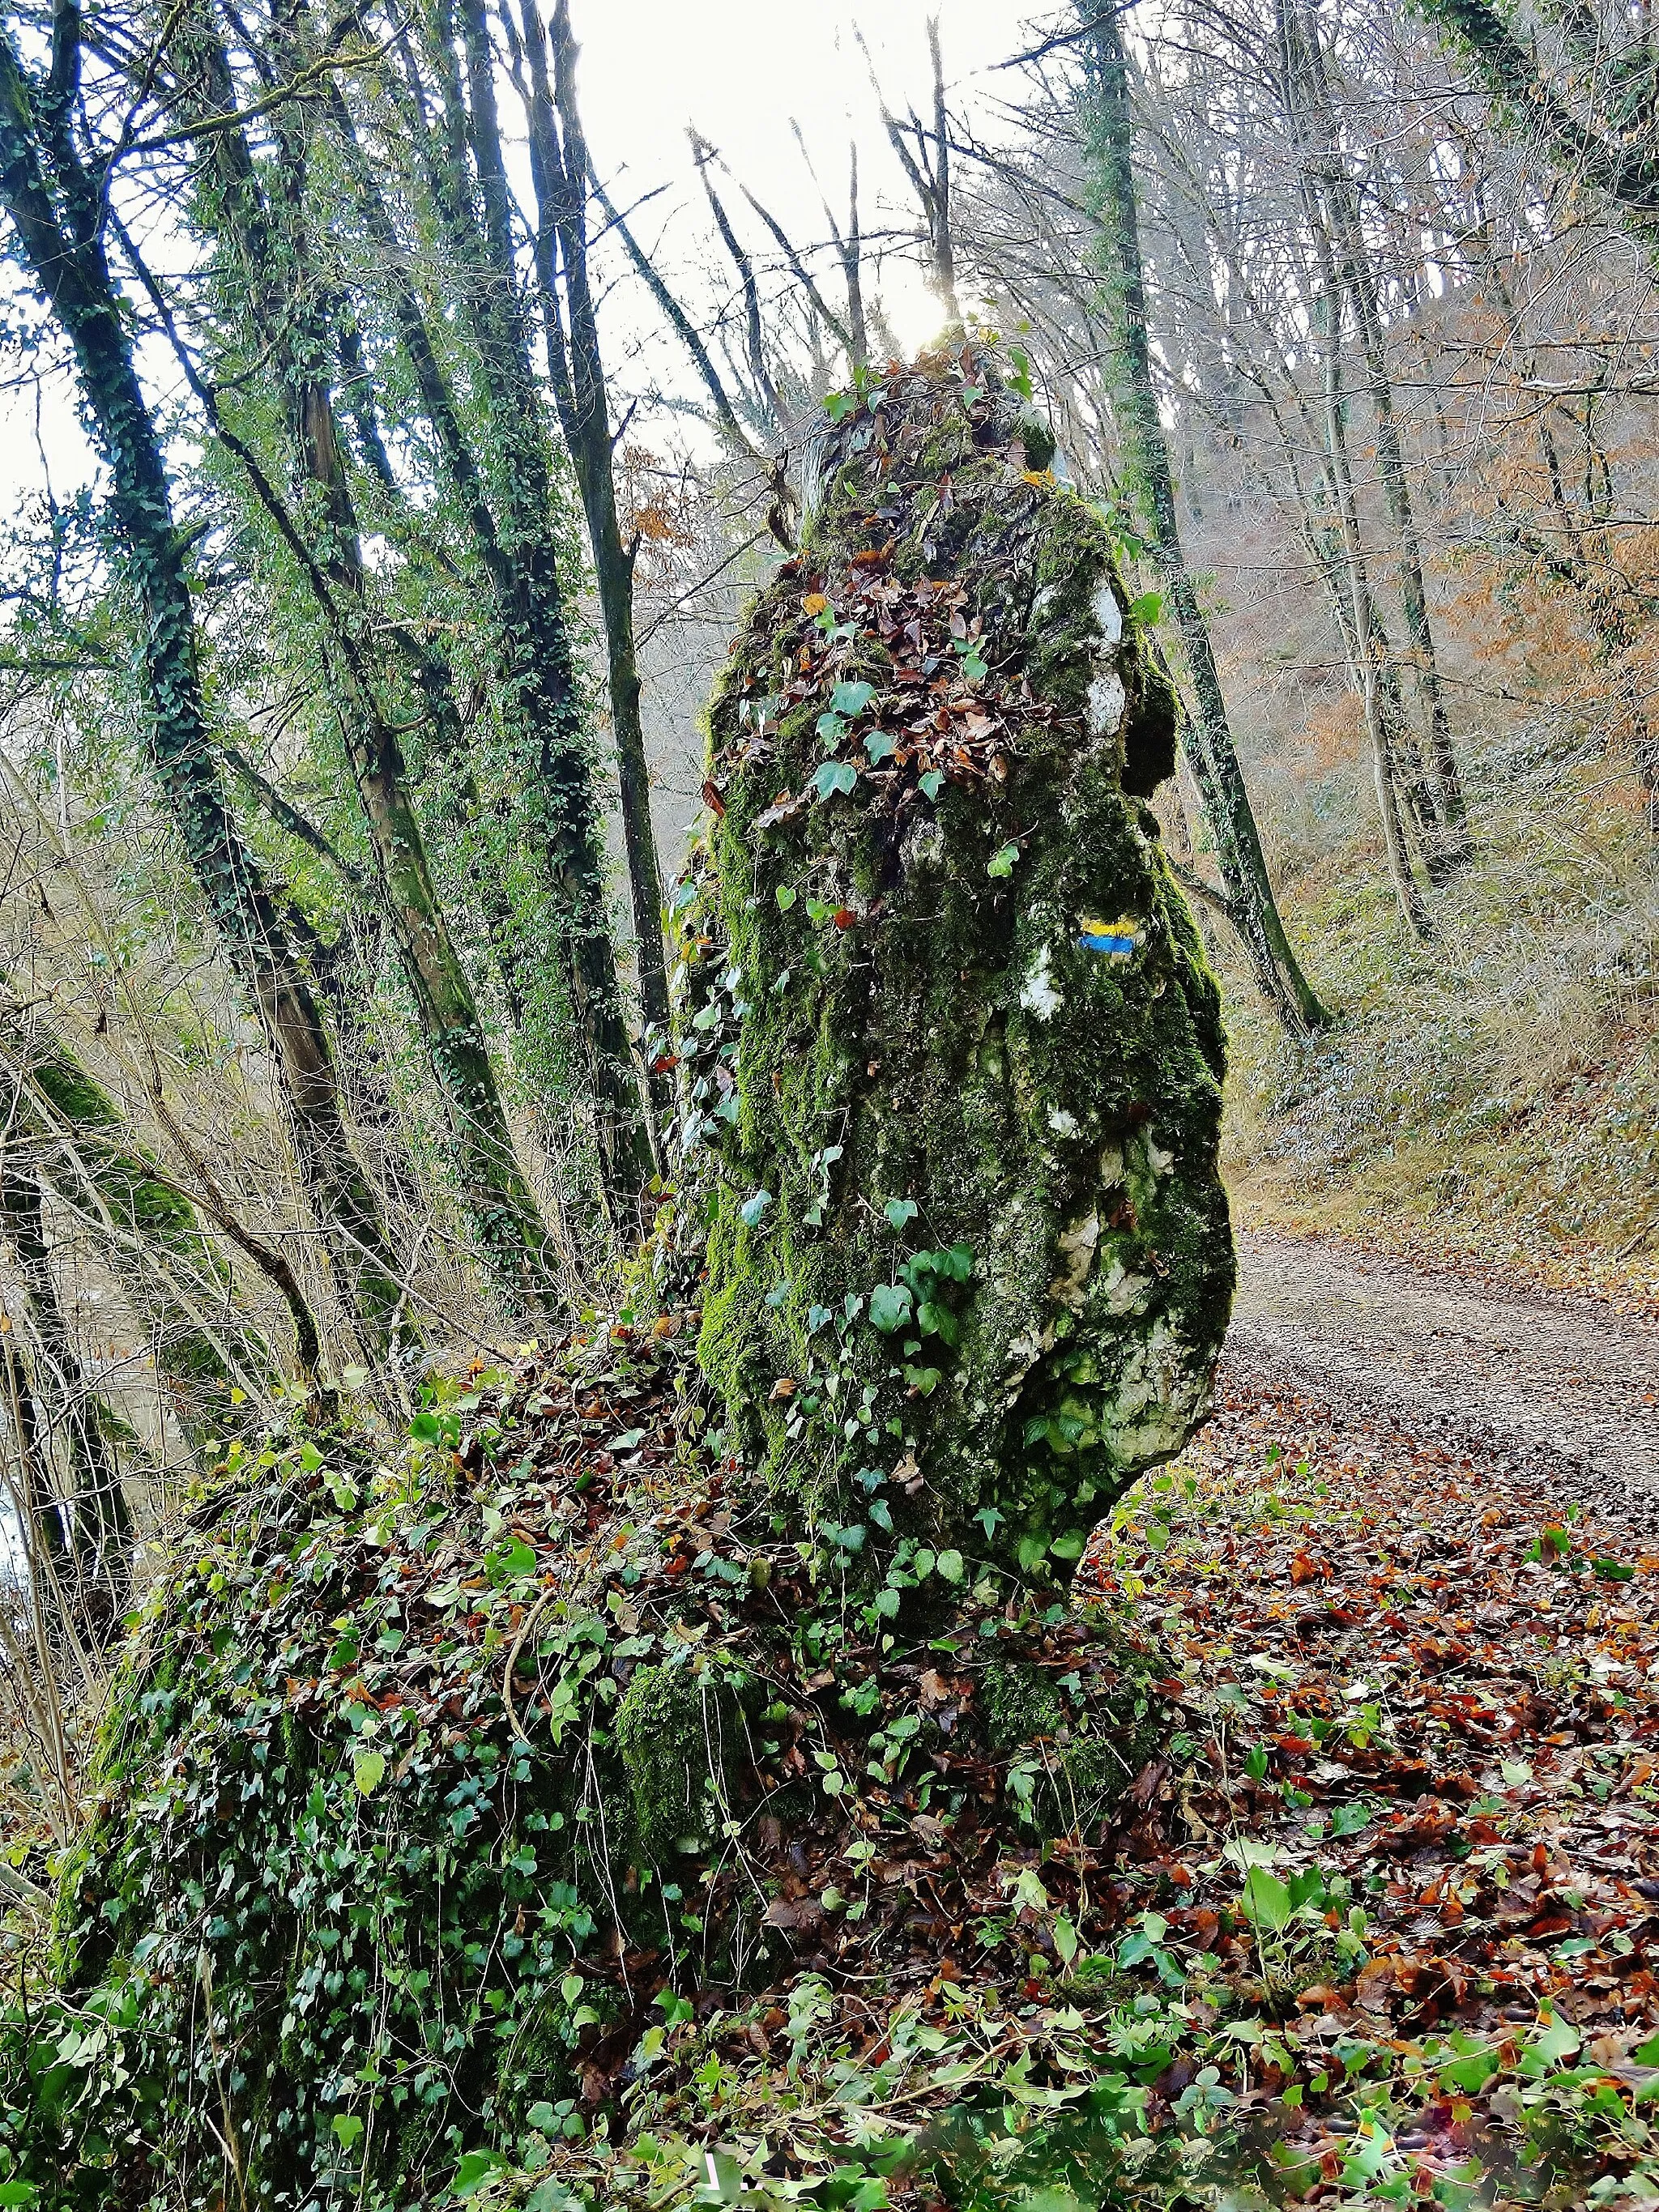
[
  {"x": 851, "y": 699},
  {"x": 348, "y": 2128},
  {"x": 368, "y": 1771},
  {"x": 1148, "y": 608},
  {"x": 880, "y": 746},
  {"x": 1021, "y": 379},
  {"x": 831, "y": 728},
  {"x": 1065, "y": 1936},
  {"x": 935, "y": 1320},
  {"x": 933, "y": 783},
  {"x": 899, "y": 1211},
  {"x": 1265, "y": 1901},
  {"x": 785, "y": 895},
  {"x": 752, "y": 1208},
  {"x": 832, "y": 776},
  {"x": 474, "y": 2170},
  {"x": 838, "y": 406},
  {"x": 1470, "y": 2074},
  {"x": 926, "y": 1380},
  {"x": 1002, "y": 863},
  {"x": 950, "y": 1566},
  {"x": 890, "y": 1307}
]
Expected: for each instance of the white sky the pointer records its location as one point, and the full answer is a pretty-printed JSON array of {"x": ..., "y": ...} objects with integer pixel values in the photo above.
[{"x": 738, "y": 70}]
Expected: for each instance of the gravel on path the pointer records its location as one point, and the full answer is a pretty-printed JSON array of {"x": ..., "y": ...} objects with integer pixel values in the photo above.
[{"x": 1549, "y": 1383}]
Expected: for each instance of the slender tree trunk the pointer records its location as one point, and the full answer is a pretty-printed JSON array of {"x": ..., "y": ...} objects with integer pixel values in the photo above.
[
  {"x": 559, "y": 172},
  {"x": 1364, "y": 629},
  {"x": 40, "y": 174},
  {"x": 1213, "y": 755},
  {"x": 1306, "y": 65},
  {"x": 98, "y": 1521}
]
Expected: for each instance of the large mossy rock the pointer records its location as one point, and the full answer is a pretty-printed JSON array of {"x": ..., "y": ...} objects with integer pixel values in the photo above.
[{"x": 949, "y": 1027}]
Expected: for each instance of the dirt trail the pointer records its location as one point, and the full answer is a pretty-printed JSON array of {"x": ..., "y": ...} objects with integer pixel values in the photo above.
[{"x": 1552, "y": 1383}]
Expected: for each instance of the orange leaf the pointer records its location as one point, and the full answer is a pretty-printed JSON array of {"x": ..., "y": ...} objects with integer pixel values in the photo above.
[{"x": 814, "y": 603}]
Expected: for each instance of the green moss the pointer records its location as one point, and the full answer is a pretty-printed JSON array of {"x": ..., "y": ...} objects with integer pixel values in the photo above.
[
  {"x": 910, "y": 1025},
  {"x": 1082, "y": 1759},
  {"x": 670, "y": 1726},
  {"x": 1020, "y": 1704}
]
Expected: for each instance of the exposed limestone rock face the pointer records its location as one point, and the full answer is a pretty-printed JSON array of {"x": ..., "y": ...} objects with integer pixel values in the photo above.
[{"x": 949, "y": 1029}]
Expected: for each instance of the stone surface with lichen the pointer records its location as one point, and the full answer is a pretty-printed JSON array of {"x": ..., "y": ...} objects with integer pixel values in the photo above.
[{"x": 952, "y": 1052}]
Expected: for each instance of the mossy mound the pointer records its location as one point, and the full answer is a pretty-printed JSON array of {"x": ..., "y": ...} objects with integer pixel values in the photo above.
[
  {"x": 421, "y": 1787},
  {"x": 948, "y": 1026}
]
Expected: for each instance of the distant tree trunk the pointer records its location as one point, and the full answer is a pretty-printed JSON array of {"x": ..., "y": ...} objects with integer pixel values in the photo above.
[
  {"x": 97, "y": 1560},
  {"x": 1304, "y": 73},
  {"x": 1211, "y": 750},
  {"x": 1364, "y": 630},
  {"x": 559, "y": 173},
  {"x": 54, "y": 207}
]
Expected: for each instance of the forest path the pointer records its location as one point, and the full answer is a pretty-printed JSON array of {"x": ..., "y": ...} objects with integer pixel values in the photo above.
[{"x": 1549, "y": 1383}]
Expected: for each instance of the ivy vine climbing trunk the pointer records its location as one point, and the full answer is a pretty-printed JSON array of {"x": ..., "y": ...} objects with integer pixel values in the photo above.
[
  {"x": 1211, "y": 750},
  {"x": 294, "y": 320},
  {"x": 560, "y": 175},
  {"x": 464, "y": 168},
  {"x": 55, "y": 207}
]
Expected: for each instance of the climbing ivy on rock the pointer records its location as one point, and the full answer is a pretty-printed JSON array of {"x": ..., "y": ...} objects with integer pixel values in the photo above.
[
  {"x": 433, "y": 1791},
  {"x": 950, "y": 1033}
]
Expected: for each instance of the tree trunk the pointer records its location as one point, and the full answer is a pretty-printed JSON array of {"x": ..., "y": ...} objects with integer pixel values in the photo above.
[
  {"x": 1214, "y": 757},
  {"x": 97, "y": 1562},
  {"x": 559, "y": 172},
  {"x": 65, "y": 257},
  {"x": 1305, "y": 66}
]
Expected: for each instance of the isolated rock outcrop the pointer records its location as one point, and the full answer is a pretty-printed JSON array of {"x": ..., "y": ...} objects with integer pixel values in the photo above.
[{"x": 949, "y": 1032}]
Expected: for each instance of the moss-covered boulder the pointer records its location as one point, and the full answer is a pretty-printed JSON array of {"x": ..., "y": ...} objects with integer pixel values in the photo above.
[{"x": 949, "y": 1029}]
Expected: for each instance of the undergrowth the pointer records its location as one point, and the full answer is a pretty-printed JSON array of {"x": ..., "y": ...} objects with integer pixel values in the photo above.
[
  {"x": 514, "y": 1823},
  {"x": 1496, "y": 1091}
]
